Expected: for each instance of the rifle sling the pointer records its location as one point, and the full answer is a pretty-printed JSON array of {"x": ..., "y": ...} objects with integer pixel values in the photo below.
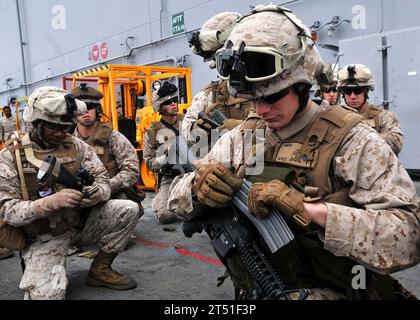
[
  {"x": 23, "y": 186},
  {"x": 30, "y": 156},
  {"x": 169, "y": 126}
]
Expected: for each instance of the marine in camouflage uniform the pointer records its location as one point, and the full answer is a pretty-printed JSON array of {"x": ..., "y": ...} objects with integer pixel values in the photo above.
[
  {"x": 348, "y": 196},
  {"x": 326, "y": 86},
  {"x": 159, "y": 137},
  {"x": 46, "y": 217},
  {"x": 8, "y": 124},
  {"x": 113, "y": 148},
  {"x": 354, "y": 82},
  {"x": 214, "y": 96}
]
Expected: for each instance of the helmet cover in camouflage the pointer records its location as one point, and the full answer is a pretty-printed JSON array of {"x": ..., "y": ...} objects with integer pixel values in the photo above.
[
  {"x": 273, "y": 27},
  {"x": 54, "y": 105},
  {"x": 327, "y": 78},
  {"x": 213, "y": 34},
  {"x": 90, "y": 96},
  {"x": 87, "y": 94},
  {"x": 164, "y": 93},
  {"x": 355, "y": 75}
]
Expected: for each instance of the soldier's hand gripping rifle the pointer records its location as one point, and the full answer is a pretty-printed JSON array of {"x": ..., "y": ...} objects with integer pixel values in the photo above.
[
  {"x": 51, "y": 167},
  {"x": 231, "y": 231},
  {"x": 215, "y": 120}
]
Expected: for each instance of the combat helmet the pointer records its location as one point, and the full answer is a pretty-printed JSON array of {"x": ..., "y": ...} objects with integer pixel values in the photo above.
[
  {"x": 213, "y": 34},
  {"x": 90, "y": 96},
  {"x": 355, "y": 75},
  {"x": 268, "y": 51},
  {"x": 54, "y": 105},
  {"x": 326, "y": 79},
  {"x": 167, "y": 91}
]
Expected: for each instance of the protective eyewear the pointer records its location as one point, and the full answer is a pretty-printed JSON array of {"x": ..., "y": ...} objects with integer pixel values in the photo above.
[
  {"x": 257, "y": 63},
  {"x": 273, "y": 98},
  {"x": 170, "y": 101},
  {"x": 355, "y": 90},
  {"x": 57, "y": 127},
  {"x": 92, "y": 105},
  {"x": 330, "y": 89}
]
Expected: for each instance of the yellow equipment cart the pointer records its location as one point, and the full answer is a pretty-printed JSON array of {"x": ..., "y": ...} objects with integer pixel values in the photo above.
[{"x": 133, "y": 87}]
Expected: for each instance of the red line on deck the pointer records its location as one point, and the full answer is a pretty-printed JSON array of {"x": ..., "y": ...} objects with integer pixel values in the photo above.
[{"x": 180, "y": 250}]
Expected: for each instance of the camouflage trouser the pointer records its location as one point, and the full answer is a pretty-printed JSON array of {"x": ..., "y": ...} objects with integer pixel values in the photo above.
[
  {"x": 109, "y": 224},
  {"x": 123, "y": 196},
  {"x": 160, "y": 202}
]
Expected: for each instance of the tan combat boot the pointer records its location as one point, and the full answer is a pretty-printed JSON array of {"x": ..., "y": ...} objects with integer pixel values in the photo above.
[
  {"x": 102, "y": 275},
  {"x": 5, "y": 253}
]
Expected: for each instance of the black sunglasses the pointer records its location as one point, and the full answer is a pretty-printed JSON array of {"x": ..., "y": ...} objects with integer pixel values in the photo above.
[
  {"x": 275, "y": 96},
  {"x": 170, "y": 101},
  {"x": 328, "y": 90},
  {"x": 57, "y": 127},
  {"x": 92, "y": 105},
  {"x": 355, "y": 90}
]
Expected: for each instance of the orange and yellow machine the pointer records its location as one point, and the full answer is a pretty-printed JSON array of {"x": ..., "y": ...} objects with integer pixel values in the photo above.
[{"x": 134, "y": 85}]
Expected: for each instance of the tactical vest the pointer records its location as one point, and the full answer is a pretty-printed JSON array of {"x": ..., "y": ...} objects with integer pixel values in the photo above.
[
  {"x": 157, "y": 125},
  {"x": 305, "y": 160},
  {"x": 371, "y": 116},
  {"x": 99, "y": 141},
  {"x": 60, "y": 222},
  {"x": 231, "y": 107}
]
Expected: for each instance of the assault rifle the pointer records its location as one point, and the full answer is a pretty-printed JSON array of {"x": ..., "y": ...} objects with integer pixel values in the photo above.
[
  {"x": 235, "y": 229},
  {"x": 51, "y": 167}
]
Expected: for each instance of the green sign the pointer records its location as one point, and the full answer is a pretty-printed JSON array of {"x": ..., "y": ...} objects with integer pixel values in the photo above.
[{"x": 178, "y": 25}]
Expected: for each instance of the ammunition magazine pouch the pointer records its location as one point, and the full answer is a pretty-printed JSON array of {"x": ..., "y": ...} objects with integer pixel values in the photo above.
[
  {"x": 43, "y": 226},
  {"x": 112, "y": 168},
  {"x": 371, "y": 116},
  {"x": 11, "y": 237},
  {"x": 99, "y": 141},
  {"x": 134, "y": 194},
  {"x": 309, "y": 265}
]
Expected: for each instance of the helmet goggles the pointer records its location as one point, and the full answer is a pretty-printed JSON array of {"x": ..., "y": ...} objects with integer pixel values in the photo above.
[{"x": 256, "y": 63}]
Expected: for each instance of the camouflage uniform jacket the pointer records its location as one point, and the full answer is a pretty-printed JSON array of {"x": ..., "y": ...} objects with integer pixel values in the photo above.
[
  {"x": 381, "y": 234},
  {"x": 17, "y": 212},
  {"x": 386, "y": 124},
  {"x": 157, "y": 140},
  {"x": 203, "y": 100},
  {"x": 126, "y": 159},
  {"x": 199, "y": 104}
]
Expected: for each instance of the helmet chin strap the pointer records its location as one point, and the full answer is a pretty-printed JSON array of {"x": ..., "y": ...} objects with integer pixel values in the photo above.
[{"x": 302, "y": 91}]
